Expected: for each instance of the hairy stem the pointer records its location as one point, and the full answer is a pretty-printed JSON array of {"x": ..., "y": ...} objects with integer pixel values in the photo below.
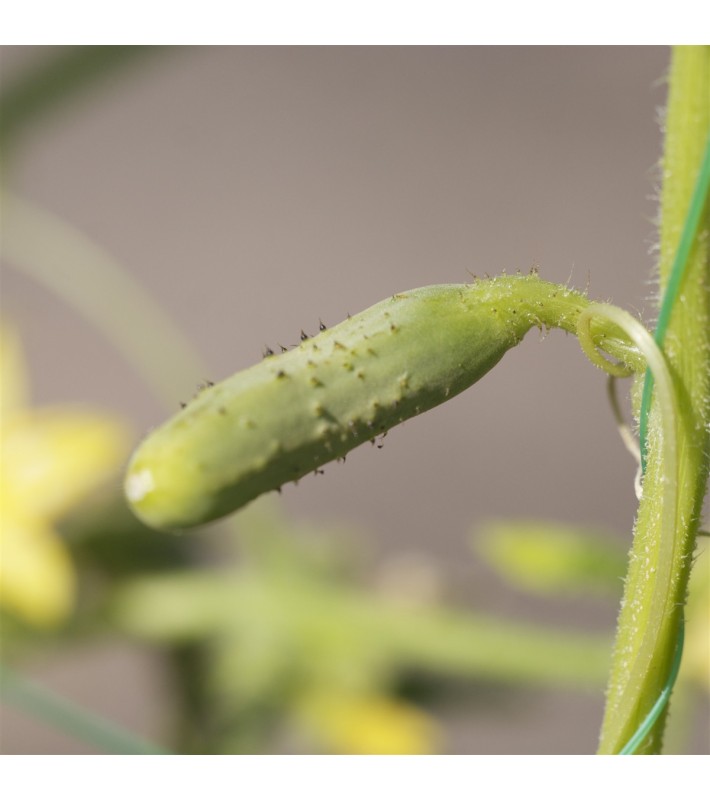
[{"x": 638, "y": 675}]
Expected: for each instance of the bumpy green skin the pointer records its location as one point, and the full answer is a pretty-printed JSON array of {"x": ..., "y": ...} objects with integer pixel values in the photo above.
[{"x": 283, "y": 418}]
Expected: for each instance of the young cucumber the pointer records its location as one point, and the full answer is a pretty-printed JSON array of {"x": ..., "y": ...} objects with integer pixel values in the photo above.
[{"x": 285, "y": 417}]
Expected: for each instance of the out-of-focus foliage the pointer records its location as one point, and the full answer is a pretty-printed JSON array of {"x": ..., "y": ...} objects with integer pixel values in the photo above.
[
  {"x": 58, "y": 76},
  {"x": 551, "y": 558},
  {"x": 296, "y": 645},
  {"x": 695, "y": 667},
  {"x": 543, "y": 557},
  {"x": 52, "y": 459}
]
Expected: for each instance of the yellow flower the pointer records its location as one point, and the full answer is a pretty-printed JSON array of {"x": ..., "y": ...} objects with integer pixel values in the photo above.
[
  {"x": 51, "y": 458},
  {"x": 369, "y": 724}
]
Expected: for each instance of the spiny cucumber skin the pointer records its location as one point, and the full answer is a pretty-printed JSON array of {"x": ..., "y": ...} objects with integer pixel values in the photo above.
[{"x": 281, "y": 419}]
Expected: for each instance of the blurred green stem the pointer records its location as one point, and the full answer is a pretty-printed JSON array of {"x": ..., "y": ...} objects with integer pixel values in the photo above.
[
  {"x": 63, "y": 74},
  {"x": 641, "y": 663},
  {"x": 63, "y": 260},
  {"x": 190, "y": 606},
  {"x": 71, "y": 719}
]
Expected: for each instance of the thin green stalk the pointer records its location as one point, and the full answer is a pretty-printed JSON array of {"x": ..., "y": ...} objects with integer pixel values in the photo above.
[
  {"x": 63, "y": 75},
  {"x": 72, "y": 719},
  {"x": 639, "y": 677},
  {"x": 57, "y": 256}
]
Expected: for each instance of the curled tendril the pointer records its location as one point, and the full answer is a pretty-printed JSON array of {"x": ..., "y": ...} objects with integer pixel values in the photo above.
[
  {"x": 591, "y": 347},
  {"x": 625, "y": 432},
  {"x": 662, "y": 575}
]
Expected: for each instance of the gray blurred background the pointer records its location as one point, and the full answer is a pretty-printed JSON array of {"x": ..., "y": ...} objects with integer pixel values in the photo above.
[{"x": 255, "y": 190}]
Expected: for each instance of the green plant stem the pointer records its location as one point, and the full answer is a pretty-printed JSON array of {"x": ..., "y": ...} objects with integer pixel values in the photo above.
[
  {"x": 63, "y": 260},
  {"x": 72, "y": 719},
  {"x": 54, "y": 80},
  {"x": 680, "y": 262},
  {"x": 185, "y": 607},
  {"x": 637, "y": 739},
  {"x": 638, "y": 677}
]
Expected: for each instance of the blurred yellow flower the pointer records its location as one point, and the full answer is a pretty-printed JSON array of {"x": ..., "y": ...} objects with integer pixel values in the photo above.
[
  {"x": 369, "y": 724},
  {"x": 51, "y": 458}
]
